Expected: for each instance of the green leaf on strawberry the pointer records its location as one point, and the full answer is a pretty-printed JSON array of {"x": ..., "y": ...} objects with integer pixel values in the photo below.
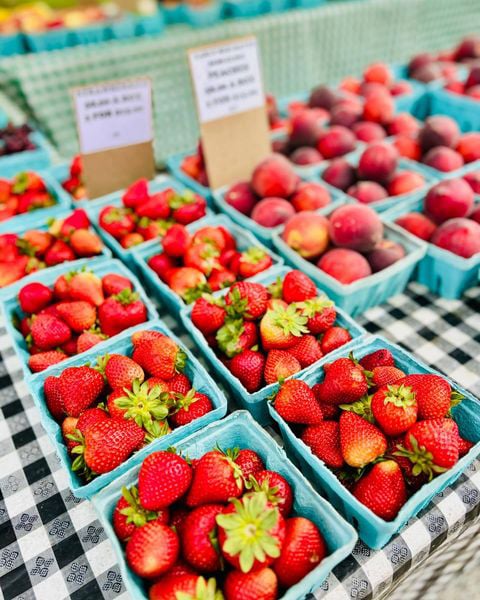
[
  {"x": 144, "y": 405},
  {"x": 135, "y": 513},
  {"x": 362, "y": 408}
]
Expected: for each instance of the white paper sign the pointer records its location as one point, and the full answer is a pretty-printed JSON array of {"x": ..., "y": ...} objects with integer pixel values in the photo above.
[
  {"x": 115, "y": 114},
  {"x": 227, "y": 79}
]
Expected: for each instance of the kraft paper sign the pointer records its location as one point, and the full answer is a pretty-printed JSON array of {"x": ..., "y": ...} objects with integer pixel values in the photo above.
[
  {"x": 115, "y": 130},
  {"x": 231, "y": 109}
]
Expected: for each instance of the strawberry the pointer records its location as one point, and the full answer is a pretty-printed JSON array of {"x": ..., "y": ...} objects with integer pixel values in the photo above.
[
  {"x": 221, "y": 278},
  {"x": 189, "y": 407},
  {"x": 84, "y": 285},
  {"x": 395, "y": 408},
  {"x": 69, "y": 431},
  {"x": 35, "y": 241},
  {"x": 187, "y": 207},
  {"x": 53, "y": 398},
  {"x": 248, "y": 460},
  {"x": 34, "y": 296},
  {"x": 43, "y": 360},
  {"x": 432, "y": 393},
  {"x": 156, "y": 207},
  {"x": 307, "y": 351},
  {"x": 320, "y": 312},
  {"x": 70, "y": 346},
  {"x": 58, "y": 252},
  {"x": 199, "y": 543},
  {"x": 203, "y": 257},
  {"x": 382, "y": 490},
  {"x": 85, "y": 242},
  {"x": 277, "y": 489},
  {"x": 131, "y": 239},
  {"x": 188, "y": 283},
  {"x": 27, "y": 181},
  {"x": 162, "y": 265},
  {"x": 251, "y": 532},
  {"x": 324, "y": 441},
  {"x": 215, "y": 236},
  {"x": 88, "y": 339},
  {"x": 164, "y": 477},
  {"x": 248, "y": 368},
  {"x": 138, "y": 337},
  {"x": 281, "y": 328},
  {"x": 302, "y": 550},
  {"x": 121, "y": 311},
  {"x": 256, "y": 585},
  {"x": 464, "y": 446},
  {"x": 333, "y": 338},
  {"x": 298, "y": 287},
  {"x": 136, "y": 194},
  {"x": 344, "y": 382},
  {"x": 247, "y": 299},
  {"x": 120, "y": 371},
  {"x": 161, "y": 358},
  {"x": 61, "y": 288},
  {"x": 216, "y": 478},
  {"x": 179, "y": 384},
  {"x": 90, "y": 417},
  {"x": 208, "y": 314},
  {"x": 49, "y": 332},
  {"x": 253, "y": 261},
  {"x": 360, "y": 441},
  {"x": 113, "y": 284},
  {"x": 78, "y": 315},
  {"x": 176, "y": 241},
  {"x": 116, "y": 221},
  {"x": 329, "y": 411},
  {"x": 24, "y": 326},
  {"x": 78, "y": 219},
  {"x": 128, "y": 514},
  {"x": 188, "y": 586},
  {"x": 12, "y": 271},
  {"x": 80, "y": 387},
  {"x": 76, "y": 167},
  {"x": 379, "y": 358},
  {"x": 149, "y": 229},
  {"x": 386, "y": 376},
  {"x": 152, "y": 550},
  {"x": 235, "y": 336},
  {"x": 280, "y": 365},
  {"x": 296, "y": 403}
]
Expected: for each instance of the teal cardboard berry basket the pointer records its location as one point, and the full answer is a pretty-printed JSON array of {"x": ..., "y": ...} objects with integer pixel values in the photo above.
[
  {"x": 115, "y": 199},
  {"x": 12, "y": 44},
  {"x": 256, "y": 402},
  {"x": 240, "y": 430},
  {"x": 204, "y": 15},
  {"x": 241, "y": 9},
  {"x": 373, "y": 530},
  {"x": 465, "y": 110},
  {"x": 355, "y": 298},
  {"x": 29, "y": 160},
  {"x": 121, "y": 344},
  {"x": 11, "y": 307},
  {"x": 169, "y": 299},
  {"x": 443, "y": 272}
]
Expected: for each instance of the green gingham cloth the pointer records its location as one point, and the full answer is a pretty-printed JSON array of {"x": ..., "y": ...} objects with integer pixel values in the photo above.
[{"x": 299, "y": 49}]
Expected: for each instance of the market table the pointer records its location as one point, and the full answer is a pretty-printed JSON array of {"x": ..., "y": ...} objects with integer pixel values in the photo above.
[{"x": 53, "y": 547}]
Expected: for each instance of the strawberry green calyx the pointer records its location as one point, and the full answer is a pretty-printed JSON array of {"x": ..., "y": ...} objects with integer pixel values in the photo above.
[
  {"x": 21, "y": 183},
  {"x": 455, "y": 399},
  {"x": 289, "y": 320},
  {"x": 180, "y": 361},
  {"x": 116, "y": 214},
  {"x": 228, "y": 337},
  {"x": 135, "y": 513},
  {"x": 179, "y": 200},
  {"x": 157, "y": 429},
  {"x": 204, "y": 590},
  {"x": 362, "y": 408},
  {"x": 254, "y": 254},
  {"x": 238, "y": 305},
  {"x": 144, "y": 405},
  {"x": 421, "y": 459},
  {"x": 126, "y": 297},
  {"x": 25, "y": 247},
  {"x": 400, "y": 396},
  {"x": 194, "y": 293},
  {"x": 164, "y": 225},
  {"x": 314, "y": 306},
  {"x": 275, "y": 289},
  {"x": 183, "y": 401},
  {"x": 271, "y": 491},
  {"x": 101, "y": 364},
  {"x": 78, "y": 465},
  {"x": 248, "y": 530}
]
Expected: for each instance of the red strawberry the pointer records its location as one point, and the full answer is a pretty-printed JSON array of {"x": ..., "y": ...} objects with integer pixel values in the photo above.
[
  {"x": 256, "y": 585},
  {"x": 215, "y": 236},
  {"x": 53, "y": 398},
  {"x": 235, "y": 336},
  {"x": 161, "y": 358},
  {"x": 394, "y": 408},
  {"x": 78, "y": 219},
  {"x": 88, "y": 339},
  {"x": 34, "y": 296},
  {"x": 298, "y": 287},
  {"x": 152, "y": 550},
  {"x": 86, "y": 286},
  {"x": 70, "y": 346},
  {"x": 251, "y": 532},
  {"x": 162, "y": 265},
  {"x": 120, "y": 371},
  {"x": 296, "y": 403},
  {"x": 248, "y": 368},
  {"x": 208, "y": 314},
  {"x": 90, "y": 417},
  {"x": 164, "y": 477},
  {"x": 131, "y": 239},
  {"x": 464, "y": 446},
  {"x": 49, "y": 332},
  {"x": 176, "y": 241},
  {"x": 203, "y": 257},
  {"x": 216, "y": 478},
  {"x": 24, "y": 326},
  {"x": 156, "y": 207},
  {"x": 432, "y": 393},
  {"x": 61, "y": 288},
  {"x": 249, "y": 461},
  {"x": 188, "y": 283},
  {"x": 320, "y": 312},
  {"x": 221, "y": 278},
  {"x": 121, "y": 311},
  {"x": 78, "y": 315},
  {"x": 333, "y": 338},
  {"x": 253, "y": 261},
  {"x": 136, "y": 194},
  {"x": 179, "y": 384},
  {"x": 277, "y": 489},
  {"x": 382, "y": 490},
  {"x": 85, "y": 242},
  {"x": 144, "y": 335},
  {"x": 379, "y": 358},
  {"x": 113, "y": 284},
  {"x": 386, "y": 376},
  {"x": 281, "y": 328},
  {"x": 80, "y": 387},
  {"x": 187, "y": 207},
  {"x": 302, "y": 550},
  {"x": 324, "y": 441},
  {"x": 199, "y": 544},
  {"x": 280, "y": 365},
  {"x": 344, "y": 382},
  {"x": 247, "y": 299},
  {"x": 58, "y": 252},
  {"x": 128, "y": 514},
  {"x": 13, "y": 271},
  {"x": 43, "y": 360},
  {"x": 329, "y": 411},
  {"x": 361, "y": 442},
  {"x": 189, "y": 407},
  {"x": 307, "y": 351},
  {"x": 37, "y": 241},
  {"x": 116, "y": 221},
  {"x": 69, "y": 431},
  {"x": 184, "y": 585}
]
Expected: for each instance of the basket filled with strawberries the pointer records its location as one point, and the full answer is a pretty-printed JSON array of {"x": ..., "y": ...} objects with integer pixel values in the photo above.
[
  {"x": 28, "y": 197},
  {"x": 179, "y": 521},
  {"x": 379, "y": 432},
  {"x": 106, "y": 407},
  {"x": 25, "y": 250},
  {"x": 265, "y": 330},
  {"x": 203, "y": 257},
  {"x": 65, "y": 312},
  {"x": 145, "y": 211}
]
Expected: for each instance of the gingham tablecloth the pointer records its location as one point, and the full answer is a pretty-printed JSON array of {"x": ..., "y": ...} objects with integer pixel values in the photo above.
[{"x": 53, "y": 547}]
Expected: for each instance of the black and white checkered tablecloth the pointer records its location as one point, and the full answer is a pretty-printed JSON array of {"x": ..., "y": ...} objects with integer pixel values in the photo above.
[{"x": 53, "y": 547}]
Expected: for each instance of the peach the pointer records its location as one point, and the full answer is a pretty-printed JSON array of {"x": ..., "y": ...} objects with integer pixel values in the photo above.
[
  {"x": 366, "y": 131},
  {"x": 420, "y": 60},
  {"x": 310, "y": 196},
  {"x": 323, "y": 97},
  {"x": 408, "y": 147},
  {"x": 460, "y": 236},
  {"x": 385, "y": 254},
  {"x": 355, "y": 226},
  {"x": 449, "y": 199},
  {"x": 306, "y": 156},
  {"x": 274, "y": 176},
  {"x": 443, "y": 159},
  {"x": 469, "y": 47},
  {"x": 373, "y": 88},
  {"x": 305, "y": 130},
  {"x": 417, "y": 224},
  {"x": 350, "y": 84},
  {"x": 307, "y": 233},
  {"x": 367, "y": 192},
  {"x": 378, "y": 72},
  {"x": 404, "y": 182},
  {"x": 346, "y": 266},
  {"x": 469, "y": 146},
  {"x": 439, "y": 131},
  {"x": 378, "y": 162},
  {"x": 379, "y": 108},
  {"x": 473, "y": 180},
  {"x": 473, "y": 78},
  {"x": 280, "y": 146},
  {"x": 241, "y": 197},
  {"x": 340, "y": 174},
  {"x": 475, "y": 214},
  {"x": 336, "y": 141},
  {"x": 400, "y": 88},
  {"x": 271, "y": 212},
  {"x": 427, "y": 73},
  {"x": 404, "y": 124},
  {"x": 346, "y": 114}
]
